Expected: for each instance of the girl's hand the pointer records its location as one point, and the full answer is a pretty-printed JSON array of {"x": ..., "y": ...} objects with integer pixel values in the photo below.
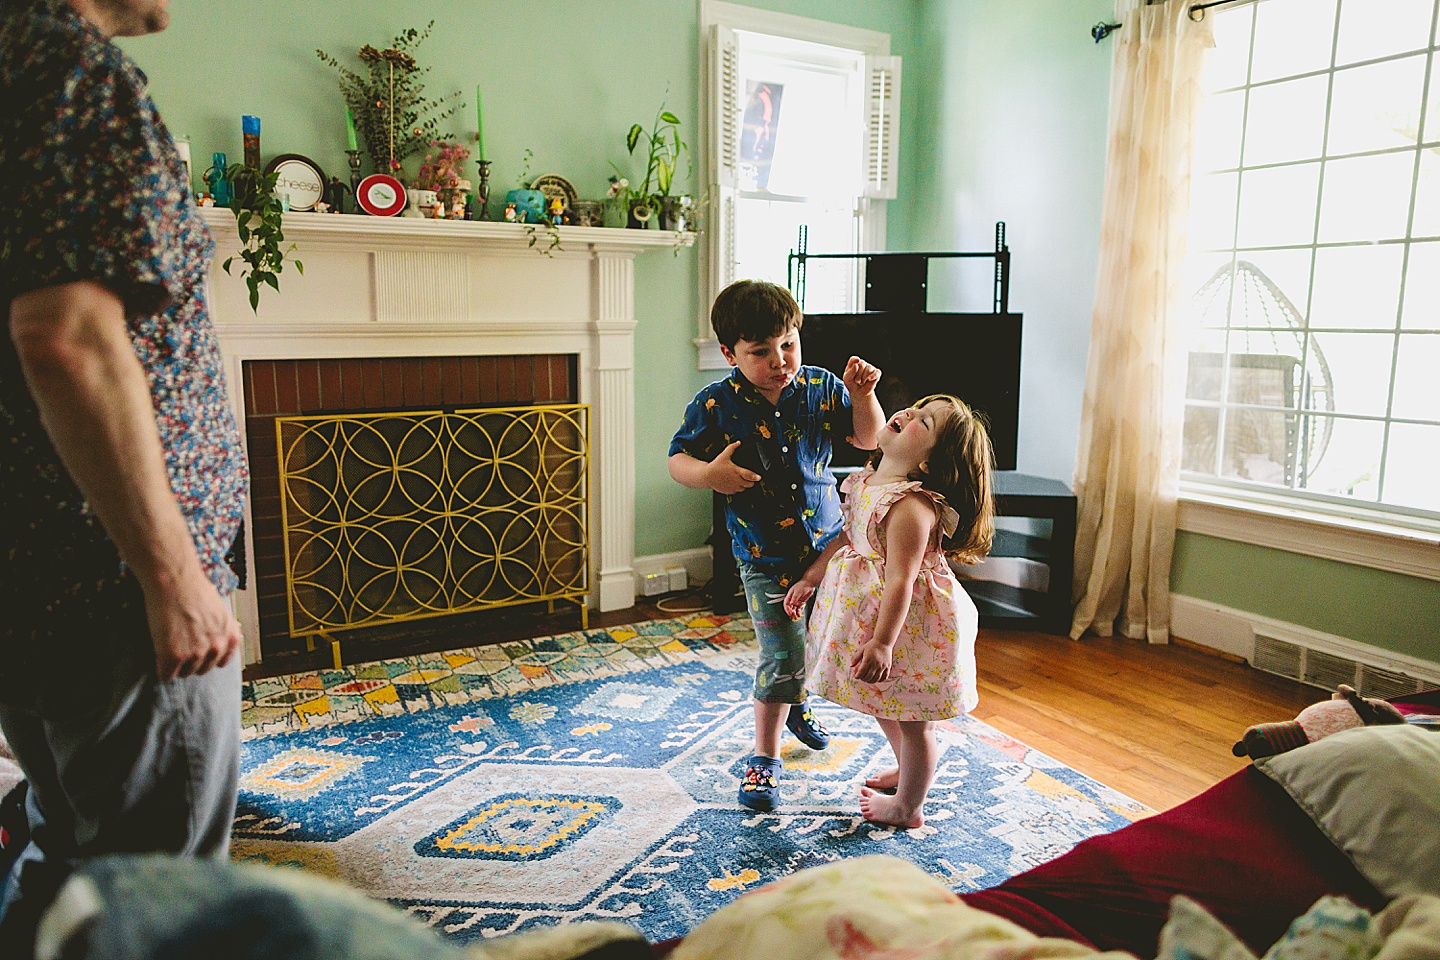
[
  {"x": 800, "y": 591},
  {"x": 871, "y": 663}
]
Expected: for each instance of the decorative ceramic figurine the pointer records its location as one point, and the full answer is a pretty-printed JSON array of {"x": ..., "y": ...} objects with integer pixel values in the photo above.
[
  {"x": 510, "y": 215},
  {"x": 557, "y": 211},
  {"x": 335, "y": 195}
]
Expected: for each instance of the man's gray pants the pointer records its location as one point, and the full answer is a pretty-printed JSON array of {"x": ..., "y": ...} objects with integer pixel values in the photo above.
[{"x": 128, "y": 764}]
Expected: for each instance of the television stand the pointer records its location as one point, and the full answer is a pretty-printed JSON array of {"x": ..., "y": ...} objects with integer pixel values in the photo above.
[
  {"x": 1048, "y": 505},
  {"x": 1046, "y": 539}
]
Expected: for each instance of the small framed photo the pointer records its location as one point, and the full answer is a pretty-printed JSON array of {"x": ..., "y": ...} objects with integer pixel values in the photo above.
[{"x": 300, "y": 177}]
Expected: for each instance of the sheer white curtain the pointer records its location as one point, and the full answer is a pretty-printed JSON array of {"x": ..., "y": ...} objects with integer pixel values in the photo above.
[{"x": 1127, "y": 466}]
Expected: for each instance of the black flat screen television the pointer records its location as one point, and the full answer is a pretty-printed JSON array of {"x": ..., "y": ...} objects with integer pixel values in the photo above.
[{"x": 975, "y": 356}]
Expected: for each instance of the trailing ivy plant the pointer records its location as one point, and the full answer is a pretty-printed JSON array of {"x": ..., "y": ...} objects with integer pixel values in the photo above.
[
  {"x": 552, "y": 230},
  {"x": 258, "y": 216}
]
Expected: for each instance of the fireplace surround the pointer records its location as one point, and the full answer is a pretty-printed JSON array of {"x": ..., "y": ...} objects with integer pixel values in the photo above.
[{"x": 388, "y": 289}]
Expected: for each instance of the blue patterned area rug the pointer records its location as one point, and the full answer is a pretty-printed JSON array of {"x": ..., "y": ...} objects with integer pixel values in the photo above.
[{"x": 593, "y": 776}]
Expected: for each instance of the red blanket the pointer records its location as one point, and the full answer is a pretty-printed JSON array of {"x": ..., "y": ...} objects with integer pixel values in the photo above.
[{"x": 1243, "y": 849}]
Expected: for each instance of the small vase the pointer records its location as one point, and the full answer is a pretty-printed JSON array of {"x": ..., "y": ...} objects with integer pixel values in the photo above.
[
  {"x": 641, "y": 215},
  {"x": 616, "y": 212},
  {"x": 675, "y": 213},
  {"x": 587, "y": 213},
  {"x": 422, "y": 203}
]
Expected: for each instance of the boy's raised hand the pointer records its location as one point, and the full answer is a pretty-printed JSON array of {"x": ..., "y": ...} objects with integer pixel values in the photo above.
[
  {"x": 860, "y": 377},
  {"x": 726, "y": 476}
]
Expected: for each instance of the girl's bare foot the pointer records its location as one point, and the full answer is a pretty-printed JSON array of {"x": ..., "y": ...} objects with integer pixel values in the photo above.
[
  {"x": 883, "y": 808},
  {"x": 885, "y": 779}
]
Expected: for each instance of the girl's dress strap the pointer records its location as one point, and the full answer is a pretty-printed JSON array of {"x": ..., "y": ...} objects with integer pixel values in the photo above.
[
  {"x": 947, "y": 515},
  {"x": 849, "y": 483}
]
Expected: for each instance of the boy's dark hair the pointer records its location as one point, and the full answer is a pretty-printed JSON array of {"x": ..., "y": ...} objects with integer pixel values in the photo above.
[
  {"x": 753, "y": 310},
  {"x": 959, "y": 469}
]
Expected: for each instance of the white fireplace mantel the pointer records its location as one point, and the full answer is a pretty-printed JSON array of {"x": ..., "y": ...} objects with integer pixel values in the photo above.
[{"x": 404, "y": 287}]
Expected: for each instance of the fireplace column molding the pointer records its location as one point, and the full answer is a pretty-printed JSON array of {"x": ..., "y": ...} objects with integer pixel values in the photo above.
[
  {"x": 612, "y": 442},
  {"x": 401, "y": 287}
]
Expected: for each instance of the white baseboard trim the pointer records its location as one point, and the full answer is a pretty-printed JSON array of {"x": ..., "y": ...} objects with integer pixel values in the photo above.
[
  {"x": 1233, "y": 631},
  {"x": 696, "y": 563}
]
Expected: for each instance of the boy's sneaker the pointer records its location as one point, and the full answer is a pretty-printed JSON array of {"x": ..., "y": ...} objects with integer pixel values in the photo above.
[
  {"x": 760, "y": 787},
  {"x": 806, "y": 727}
]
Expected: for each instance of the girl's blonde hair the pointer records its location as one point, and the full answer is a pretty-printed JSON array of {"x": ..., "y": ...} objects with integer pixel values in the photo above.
[{"x": 959, "y": 468}]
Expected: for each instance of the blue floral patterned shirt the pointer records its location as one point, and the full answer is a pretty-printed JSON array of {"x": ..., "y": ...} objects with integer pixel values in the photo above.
[
  {"x": 96, "y": 191},
  {"x": 781, "y": 523}
]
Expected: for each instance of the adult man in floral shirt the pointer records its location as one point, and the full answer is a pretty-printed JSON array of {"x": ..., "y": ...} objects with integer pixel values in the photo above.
[{"x": 122, "y": 479}]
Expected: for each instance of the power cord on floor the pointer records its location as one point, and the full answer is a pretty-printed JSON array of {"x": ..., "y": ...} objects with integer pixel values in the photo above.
[{"x": 685, "y": 600}]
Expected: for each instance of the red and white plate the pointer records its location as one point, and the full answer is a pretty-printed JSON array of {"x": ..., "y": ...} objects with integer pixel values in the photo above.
[{"x": 380, "y": 195}]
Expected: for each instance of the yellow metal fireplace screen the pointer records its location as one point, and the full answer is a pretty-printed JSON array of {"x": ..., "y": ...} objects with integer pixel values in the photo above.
[{"x": 397, "y": 516}]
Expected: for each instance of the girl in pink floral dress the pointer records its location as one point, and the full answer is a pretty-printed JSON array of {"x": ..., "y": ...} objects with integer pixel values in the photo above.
[{"x": 892, "y": 632}]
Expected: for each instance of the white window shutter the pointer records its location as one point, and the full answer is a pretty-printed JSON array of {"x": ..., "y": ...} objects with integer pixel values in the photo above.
[
  {"x": 726, "y": 105},
  {"x": 882, "y": 127}
]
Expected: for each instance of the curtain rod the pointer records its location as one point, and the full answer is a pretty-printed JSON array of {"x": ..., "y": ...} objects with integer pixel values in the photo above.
[{"x": 1101, "y": 30}]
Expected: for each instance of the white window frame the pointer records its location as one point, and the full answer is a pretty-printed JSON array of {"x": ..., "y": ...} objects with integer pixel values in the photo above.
[
  {"x": 881, "y": 143},
  {"x": 1352, "y": 532}
]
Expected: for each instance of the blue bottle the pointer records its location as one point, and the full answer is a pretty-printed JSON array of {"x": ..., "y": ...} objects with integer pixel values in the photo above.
[{"x": 219, "y": 184}]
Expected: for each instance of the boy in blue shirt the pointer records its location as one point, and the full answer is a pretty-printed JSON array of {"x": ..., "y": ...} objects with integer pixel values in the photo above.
[{"x": 763, "y": 437}]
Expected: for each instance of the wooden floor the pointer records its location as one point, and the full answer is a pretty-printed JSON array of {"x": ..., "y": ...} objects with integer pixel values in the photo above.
[{"x": 1154, "y": 722}]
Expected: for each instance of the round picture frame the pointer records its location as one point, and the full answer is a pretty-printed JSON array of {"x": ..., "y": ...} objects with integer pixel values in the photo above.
[
  {"x": 380, "y": 195},
  {"x": 300, "y": 177},
  {"x": 553, "y": 186}
]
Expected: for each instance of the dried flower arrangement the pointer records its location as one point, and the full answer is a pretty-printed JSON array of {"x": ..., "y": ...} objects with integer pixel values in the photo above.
[
  {"x": 391, "y": 111},
  {"x": 443, "y": 166}
]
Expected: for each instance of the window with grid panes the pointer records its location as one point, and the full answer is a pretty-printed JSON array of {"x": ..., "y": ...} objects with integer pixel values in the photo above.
[{"x": 1314, "y": 267}]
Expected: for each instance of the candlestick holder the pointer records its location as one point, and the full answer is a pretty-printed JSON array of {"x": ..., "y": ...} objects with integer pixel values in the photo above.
[
  {"x": 482, "y": 190},
  {"x": 354, "y": 158}
]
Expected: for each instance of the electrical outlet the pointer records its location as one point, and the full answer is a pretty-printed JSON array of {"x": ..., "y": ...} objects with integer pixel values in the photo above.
[
  {"x": 679, "y": 579},
  {"x": 654, "y": 584}
]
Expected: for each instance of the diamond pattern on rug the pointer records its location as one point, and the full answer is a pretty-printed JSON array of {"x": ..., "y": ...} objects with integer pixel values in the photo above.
[
  {"x": 604, "y": 786},
  {"x": 512, "y": 827},
  {"x": 409, "y": 684}
]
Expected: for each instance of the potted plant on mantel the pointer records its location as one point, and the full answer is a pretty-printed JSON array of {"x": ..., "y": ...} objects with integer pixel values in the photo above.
[{"x": 664, "y": 148}]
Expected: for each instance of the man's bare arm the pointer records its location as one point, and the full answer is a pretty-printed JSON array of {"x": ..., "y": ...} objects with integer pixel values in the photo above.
[{"x": 94, "y": 403}]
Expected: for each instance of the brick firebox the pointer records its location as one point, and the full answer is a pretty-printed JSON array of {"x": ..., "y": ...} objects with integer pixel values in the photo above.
[{"x": 370, "y": 384}]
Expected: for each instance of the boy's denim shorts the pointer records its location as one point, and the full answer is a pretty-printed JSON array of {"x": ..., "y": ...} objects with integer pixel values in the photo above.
[{"x": 780, "y": 678}]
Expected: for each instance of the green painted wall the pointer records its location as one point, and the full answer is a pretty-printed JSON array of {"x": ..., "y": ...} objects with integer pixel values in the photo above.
[
  {"x": 1013, "y": 128},
  {"x": 1388, "y": 610}
]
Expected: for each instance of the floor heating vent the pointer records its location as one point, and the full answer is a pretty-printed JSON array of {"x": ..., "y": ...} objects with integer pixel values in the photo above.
[
  {"x": 1375, "y": 682},
  {"x": 1277, "y": 656},
  {"x": 1326, "y": 670}
]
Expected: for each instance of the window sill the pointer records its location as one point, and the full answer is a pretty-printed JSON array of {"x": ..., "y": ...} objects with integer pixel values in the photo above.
[
  {"x": 1364, "y": 539},
  {"x": 708, "y": 355}
]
